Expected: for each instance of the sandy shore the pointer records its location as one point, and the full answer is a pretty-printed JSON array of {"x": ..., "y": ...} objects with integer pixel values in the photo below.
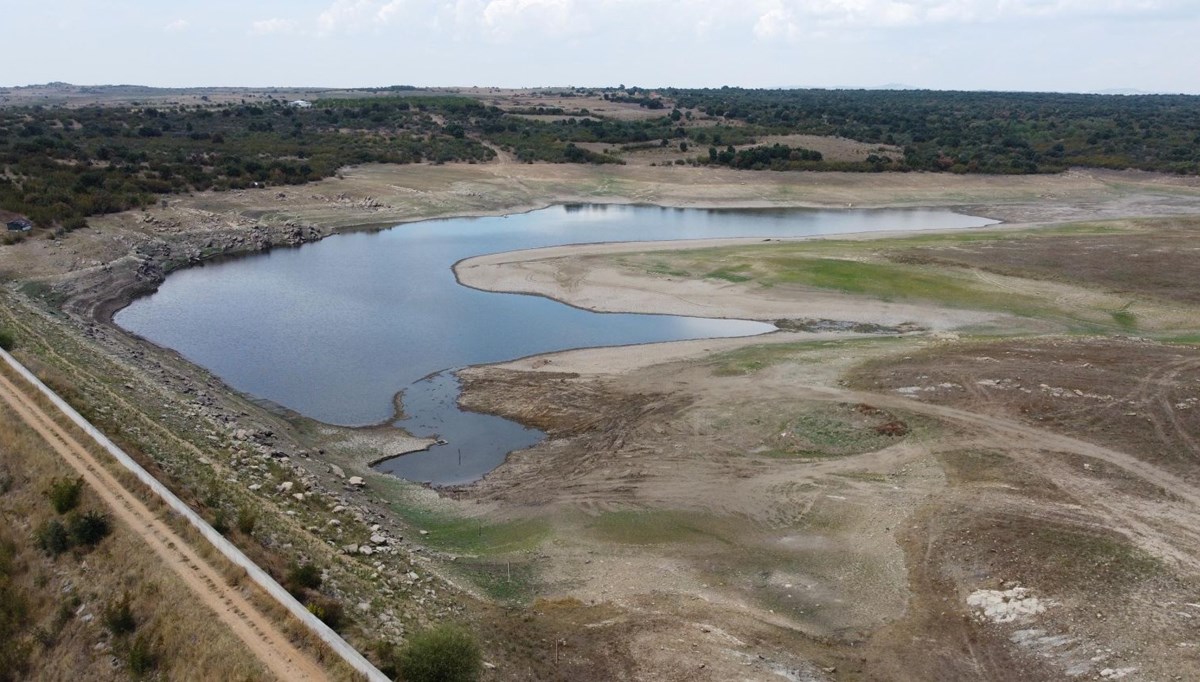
[{"x": 568, "y": 274}]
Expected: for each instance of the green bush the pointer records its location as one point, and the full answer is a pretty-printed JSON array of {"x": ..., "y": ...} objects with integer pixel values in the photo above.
[
  {"x": 302, "y": 577},
  {"x": 53, "y": 538},
  {"x": 89, "y": 528},
  {"x": 7, "y": 340},
  {"x": 118, "y": 617},
  {"x": 246, "y": 520},
  {"x": 329, "y": 610},
  {"x": 141, "y": 656},
  {"x": 64, "y": 494},
  {"x": 220, "y": 522},
  {"x": 443, "y": 654}
]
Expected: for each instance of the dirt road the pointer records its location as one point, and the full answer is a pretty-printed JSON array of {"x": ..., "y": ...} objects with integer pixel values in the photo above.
[{"x": 256, "y": 630}]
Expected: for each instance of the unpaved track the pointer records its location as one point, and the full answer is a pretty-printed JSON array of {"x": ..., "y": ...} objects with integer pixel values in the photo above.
[
  {"x": 256, "y": 630},
  {"x": 1039, "y": 438}
]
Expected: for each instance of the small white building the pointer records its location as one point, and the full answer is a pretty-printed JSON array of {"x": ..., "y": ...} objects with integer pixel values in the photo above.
[{"x": 301, "y": 104}]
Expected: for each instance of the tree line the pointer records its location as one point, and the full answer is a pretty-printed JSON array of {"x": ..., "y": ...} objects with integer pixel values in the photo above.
[{"x": 60, "y": 165}]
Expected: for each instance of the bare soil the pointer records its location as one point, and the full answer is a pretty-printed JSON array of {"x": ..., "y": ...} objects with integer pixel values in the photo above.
[
  {"x": 726, "y": 509},
  {"x": 1140, "y": 397},
  {"x": 1157, "y": 259}
]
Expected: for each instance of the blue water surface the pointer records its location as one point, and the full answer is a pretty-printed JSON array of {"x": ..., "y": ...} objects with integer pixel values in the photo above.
[{"x": 334, "y": 329}]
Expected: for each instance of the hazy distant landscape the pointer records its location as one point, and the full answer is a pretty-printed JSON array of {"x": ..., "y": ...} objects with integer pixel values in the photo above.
[{"x": 104, "y": 149}]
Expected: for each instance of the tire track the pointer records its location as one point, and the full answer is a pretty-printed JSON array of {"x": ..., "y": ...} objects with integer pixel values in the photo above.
[
  {"x": 1017, "y": 431},
  {"x": 257, "y": 631}
]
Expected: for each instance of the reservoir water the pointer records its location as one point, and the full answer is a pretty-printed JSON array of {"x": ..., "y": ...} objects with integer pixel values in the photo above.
[{"x": 336, "y": 328}]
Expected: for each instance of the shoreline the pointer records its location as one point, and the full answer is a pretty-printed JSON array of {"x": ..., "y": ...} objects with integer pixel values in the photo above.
[
  {"x": 152, "y": 272},
  {"x": 98, "y": 292},
  {"x": 150, "y": 244}
]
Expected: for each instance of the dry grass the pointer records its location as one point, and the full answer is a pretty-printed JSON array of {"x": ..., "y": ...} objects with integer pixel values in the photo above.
[{"x": 66, "y": 596}]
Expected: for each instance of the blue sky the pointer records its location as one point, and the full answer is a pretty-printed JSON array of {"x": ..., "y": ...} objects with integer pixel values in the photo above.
[{"x": 1065, "y": 45}]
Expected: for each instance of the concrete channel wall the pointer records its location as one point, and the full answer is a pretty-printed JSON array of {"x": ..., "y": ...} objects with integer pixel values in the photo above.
[{"x": 227, "y": 548}]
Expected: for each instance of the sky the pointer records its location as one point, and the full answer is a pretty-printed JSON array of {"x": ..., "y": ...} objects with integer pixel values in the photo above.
[{"x": 1036, "y": 45}]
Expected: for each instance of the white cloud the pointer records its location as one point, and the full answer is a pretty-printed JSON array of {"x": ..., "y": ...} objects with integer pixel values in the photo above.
[
  {"x": 767, "y": 20},
  {"x": 176, "y": 26},
  {"x": 356, "y": 15},
  {"x": 390, "y": 10},
  {"x": 506, "y": 17},
  {"x": 776, "y": 23},
  {"x": 275, "y": 25},
  {"x": 788, "y": 19}
]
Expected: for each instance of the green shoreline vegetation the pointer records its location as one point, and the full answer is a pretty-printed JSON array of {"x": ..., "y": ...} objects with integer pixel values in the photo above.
[{"x": 956, "y": 270}]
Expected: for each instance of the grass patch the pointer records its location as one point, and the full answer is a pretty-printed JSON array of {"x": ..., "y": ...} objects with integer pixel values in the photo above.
[
  {"x": 751, "y": 359},
  {"x": 1182, "y": 339},
  {"x": 15, "y": 615},
  {"x": 466, "y": 535},
  {"x": 862, "y": 267},
  {"x": 662, "y": 268},
  {"x": 1126, "y": 320},
  {"x": 984, "y": 467},
  {"x": 44, "y": 292},
  {"x": 656, "y": 527},
  {"x": 865, "y": 476},
  {"x": 1057, "y": 557},
  {"x": 774, "y": 266},
  {"x": 834, "y": 431},
  {"x": 735, "y": 273},
  {"x": 890, "y": 282},
  {"x": 513, "y": 582},
  {"x": 1080, "y": 557}
]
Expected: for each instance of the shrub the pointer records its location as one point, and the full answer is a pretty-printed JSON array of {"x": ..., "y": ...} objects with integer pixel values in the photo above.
[
  {"x": 327, "y": 609},
  {"x": 64, "y": 494},
  {"x": 89, "y": 529},
  {"x": 141, "y": 656},
  {"x": 246, "y": 520},
  {"x": 443, "y": 654},
  {"x": 302, "y": 577},
  {"x": 7, "y": 341},
  {"x": 118, "y": 617},
  {"x": 220, "y": 522},
  {"x": 53, "y": 538},
  {"x": 387, "y": 653}
]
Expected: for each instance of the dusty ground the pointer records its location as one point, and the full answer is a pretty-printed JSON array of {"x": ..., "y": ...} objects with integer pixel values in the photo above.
[
  {"x": 256, "y": 631},
  {"x": 876, "y": 510},
  {"x": 714, "y": 509}
]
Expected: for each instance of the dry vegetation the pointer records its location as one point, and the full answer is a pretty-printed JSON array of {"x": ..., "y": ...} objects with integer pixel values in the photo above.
[{"x": 65, "y": 615}]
